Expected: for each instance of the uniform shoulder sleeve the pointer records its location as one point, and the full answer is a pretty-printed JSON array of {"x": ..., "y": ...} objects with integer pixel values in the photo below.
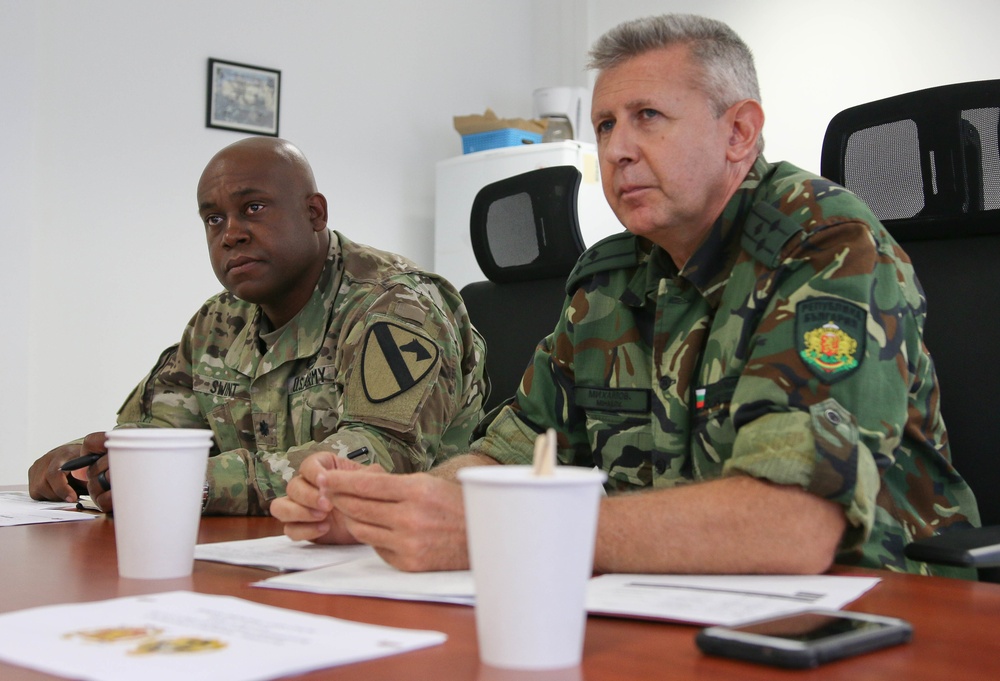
[
  {"x": 138, "y": 405},
  {"x": 766, "y": 232},
  {"x": 615, "y": 252}
]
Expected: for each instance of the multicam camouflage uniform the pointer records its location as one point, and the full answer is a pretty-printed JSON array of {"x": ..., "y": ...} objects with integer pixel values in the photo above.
[
  {"x": 789, "y": 348},
  {"x": 382, "y": 356}
]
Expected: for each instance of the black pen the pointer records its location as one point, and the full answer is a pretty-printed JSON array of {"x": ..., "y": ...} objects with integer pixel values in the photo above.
[
  {"x": 81, "y": 461},
  {"x": 361, "y": 451}
]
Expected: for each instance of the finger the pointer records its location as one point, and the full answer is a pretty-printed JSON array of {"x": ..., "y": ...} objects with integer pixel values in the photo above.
[
  {"x": 95, "y": 443},
  {"x": 375, "y": 486},
  {"x": 46, "y": 482},
  {"x": 56, "y": 486},
  {"x": 317, "y": 464},
  {"x": 288, "y": 511},
  {"x": 371, "y": 513},
  {"x": 306, "y": 531},
  {"x": 103, "y": 500},
  {"x": 376, "y": 536},
  {"x": 300, "y": 491},
  {"x": 99, "y": 482}
]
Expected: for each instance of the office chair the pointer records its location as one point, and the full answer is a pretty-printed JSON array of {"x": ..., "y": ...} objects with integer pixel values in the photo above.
[
  {"x": 526, "y": 238},
  {"x": 927, "y": 163}
]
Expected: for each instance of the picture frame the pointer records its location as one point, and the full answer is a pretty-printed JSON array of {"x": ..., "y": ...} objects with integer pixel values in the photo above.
[{"x": 242, "y": 97}]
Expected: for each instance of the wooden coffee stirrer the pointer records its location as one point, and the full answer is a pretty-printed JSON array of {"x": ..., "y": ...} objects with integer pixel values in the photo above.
[{"x": 544, "y": 460}]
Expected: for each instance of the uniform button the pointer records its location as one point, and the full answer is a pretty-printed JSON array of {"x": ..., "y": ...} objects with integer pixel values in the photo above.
[
  {"x": 833, "y": 417},
  {"x": 666, "y": 382},
  {"x": 661, "y": 465}
]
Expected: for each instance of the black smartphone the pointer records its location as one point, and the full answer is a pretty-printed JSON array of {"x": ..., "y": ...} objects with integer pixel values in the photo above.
[{"x": 805, "y": 639}]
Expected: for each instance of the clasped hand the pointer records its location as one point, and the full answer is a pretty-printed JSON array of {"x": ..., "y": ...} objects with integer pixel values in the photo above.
[{"x": 415, "y": 522}]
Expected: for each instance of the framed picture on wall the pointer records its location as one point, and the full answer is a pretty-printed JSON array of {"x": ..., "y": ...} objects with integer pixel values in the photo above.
[{"x": 243, "y": 97}]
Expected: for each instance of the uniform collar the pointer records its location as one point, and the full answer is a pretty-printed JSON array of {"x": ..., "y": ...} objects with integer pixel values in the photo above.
[{"x": 709, "y": 267}]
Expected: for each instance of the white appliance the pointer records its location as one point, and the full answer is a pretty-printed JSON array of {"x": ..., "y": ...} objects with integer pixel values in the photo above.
[
  {"x": 459, "y": 179},
  {"x": 564, "y": 106}
]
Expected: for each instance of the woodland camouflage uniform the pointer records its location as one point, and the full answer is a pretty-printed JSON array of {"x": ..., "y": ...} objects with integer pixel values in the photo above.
[
  {"x": 789, "y": 349},
  {"x": 382, "y": 356}
]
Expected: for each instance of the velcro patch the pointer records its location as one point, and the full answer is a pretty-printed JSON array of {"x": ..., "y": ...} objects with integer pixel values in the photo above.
[
  {"x": 311, "y": 378},
  {"x": 632, "y": 400},
  {"x": 219, "y": 387},
  {"x": 394, "y": 359},
  {"x": 830, "y": 336}
]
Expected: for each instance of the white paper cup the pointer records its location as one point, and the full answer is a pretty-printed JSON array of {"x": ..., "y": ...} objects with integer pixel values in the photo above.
[
  {"x": 531, "y": 548},
  {"x": 157, "y": 477}
]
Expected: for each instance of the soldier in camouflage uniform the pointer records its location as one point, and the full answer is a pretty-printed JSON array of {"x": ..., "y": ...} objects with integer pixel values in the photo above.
[
  {"x": 787, "y": 348},
  {"x": 369, "y": 353},
  {"x": 749, "y": 354}
]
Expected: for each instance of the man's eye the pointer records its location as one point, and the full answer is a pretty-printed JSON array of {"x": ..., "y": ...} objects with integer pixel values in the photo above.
[
  {"x": 604, "y": 127},
  {"x": 648, "y": 113},
  {"x": 254, "y": 207},
  {"x": 212, "y": 220}
]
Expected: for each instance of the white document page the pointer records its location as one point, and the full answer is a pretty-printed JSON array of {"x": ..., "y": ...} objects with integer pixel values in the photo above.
[
  {"x": 720, "y": 599},
  {"x": 18, "y": 508},
  {"x": 713, "y": 599},
  {"x": 279, "y": 553},
  {"x": 371, "y": 576},
  {"x": 190, "y": 636}
]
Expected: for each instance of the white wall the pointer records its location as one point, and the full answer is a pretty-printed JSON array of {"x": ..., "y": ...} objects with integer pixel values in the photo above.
[
  {"x": 815, "y": 59},
  {"x": 102, "y": 139}
]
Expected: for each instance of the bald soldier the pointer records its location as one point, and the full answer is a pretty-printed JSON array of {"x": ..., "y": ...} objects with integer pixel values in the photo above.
[{"x": 317, "y": 344}]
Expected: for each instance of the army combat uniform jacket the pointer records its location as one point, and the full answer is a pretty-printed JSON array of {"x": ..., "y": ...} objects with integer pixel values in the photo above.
[
  {"x": 788, "y": 348},
  {"x": 382, "y": 356}
]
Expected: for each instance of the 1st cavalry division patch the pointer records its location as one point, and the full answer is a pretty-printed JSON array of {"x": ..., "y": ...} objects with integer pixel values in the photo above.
[
  {"x": 394, "y": 360},
  {"x": 830, "y": 336}
]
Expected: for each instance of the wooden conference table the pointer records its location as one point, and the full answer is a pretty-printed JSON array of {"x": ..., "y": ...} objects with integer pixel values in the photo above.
[{"x": 956, "y": 623}]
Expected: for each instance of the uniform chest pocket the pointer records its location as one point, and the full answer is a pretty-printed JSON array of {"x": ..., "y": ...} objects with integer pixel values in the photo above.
[
  {"x": 619, "y": 431},
  {"x": 315, "y": 403},
  {"x": 226, "y": 404},
  {"x": 713, "y": 432}
]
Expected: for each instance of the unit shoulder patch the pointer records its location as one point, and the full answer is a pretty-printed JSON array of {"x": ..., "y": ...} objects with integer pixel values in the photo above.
[
  {"x": 830, "y": 337},
  {"x": 394, "y": 359}
]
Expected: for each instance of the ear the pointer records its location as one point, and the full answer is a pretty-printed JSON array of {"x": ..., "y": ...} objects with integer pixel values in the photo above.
[
  {"x": 746, "y": 120},
  {"x": 318, "y": 216}
]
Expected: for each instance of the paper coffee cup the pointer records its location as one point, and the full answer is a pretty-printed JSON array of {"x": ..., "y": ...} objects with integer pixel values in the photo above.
[
  {"x": 531, "y": 548},
  {"x": 157, "y": 476}
]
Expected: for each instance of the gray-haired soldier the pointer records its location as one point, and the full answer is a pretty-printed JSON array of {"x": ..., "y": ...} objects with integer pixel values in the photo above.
[{"x": 746, "y": 362}]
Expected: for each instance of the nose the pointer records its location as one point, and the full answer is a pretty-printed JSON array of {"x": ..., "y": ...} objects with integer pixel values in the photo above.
[
  {"x": 236, "y": 232},
  {"x": 619, "y": 145}
]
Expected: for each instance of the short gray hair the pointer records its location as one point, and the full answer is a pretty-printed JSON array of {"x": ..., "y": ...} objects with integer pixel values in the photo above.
[{"x": 728, "y": 74}]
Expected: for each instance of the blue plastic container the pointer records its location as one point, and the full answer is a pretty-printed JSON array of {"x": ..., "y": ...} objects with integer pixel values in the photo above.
[{"x": 495, "y": 139}]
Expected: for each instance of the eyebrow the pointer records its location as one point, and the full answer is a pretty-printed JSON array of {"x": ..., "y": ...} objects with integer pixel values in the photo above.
[
  {"x": 631, "y": 105},
  {"x": 246, "y": 191}
]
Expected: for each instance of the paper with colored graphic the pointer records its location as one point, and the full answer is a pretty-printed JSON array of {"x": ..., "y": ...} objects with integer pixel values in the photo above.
[{"x": 191, "y": 636}]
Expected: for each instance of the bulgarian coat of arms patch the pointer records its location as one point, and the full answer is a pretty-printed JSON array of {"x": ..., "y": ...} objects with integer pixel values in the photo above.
[{"x": 830, "y": 336}]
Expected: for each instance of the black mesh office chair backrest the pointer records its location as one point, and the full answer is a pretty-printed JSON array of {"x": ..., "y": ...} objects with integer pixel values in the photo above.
[
  {"x": 928, "y": 164},
  {"x": 526, "y": 237}
]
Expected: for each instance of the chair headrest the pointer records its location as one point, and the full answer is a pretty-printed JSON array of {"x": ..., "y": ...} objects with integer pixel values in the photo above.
[
  {"x": 926, "y": 162},
  {"x": 526, "y": 226}
]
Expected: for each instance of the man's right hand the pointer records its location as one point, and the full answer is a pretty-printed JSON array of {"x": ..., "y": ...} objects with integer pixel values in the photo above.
[
  {"x": 47, "y": 483},
  {"x": 307, "y": 510}
]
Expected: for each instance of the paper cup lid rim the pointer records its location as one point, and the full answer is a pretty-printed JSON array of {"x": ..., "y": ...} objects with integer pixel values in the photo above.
[
  {"x": 127, "y": 448},
  {"x": 520, "y": 474},
  {"x": 151, "y": 433}
]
